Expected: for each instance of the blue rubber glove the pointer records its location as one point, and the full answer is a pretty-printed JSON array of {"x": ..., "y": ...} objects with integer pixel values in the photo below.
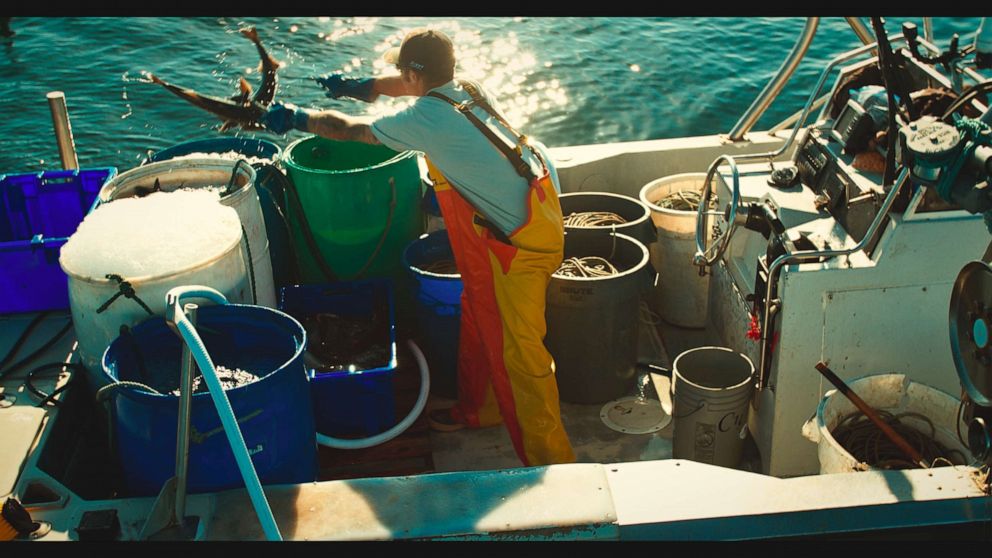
[
  {"x": 336, "y": 86},
  {"x": 282, "y": 118}
]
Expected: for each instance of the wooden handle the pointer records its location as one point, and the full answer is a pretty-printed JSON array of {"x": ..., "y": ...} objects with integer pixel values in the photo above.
[{"x": 891, "y": 434}]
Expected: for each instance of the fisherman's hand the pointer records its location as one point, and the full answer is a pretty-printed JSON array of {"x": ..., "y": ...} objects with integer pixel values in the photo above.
[
  {"x": 282, "y": 118},
  {"x": 336, "y": 86}
]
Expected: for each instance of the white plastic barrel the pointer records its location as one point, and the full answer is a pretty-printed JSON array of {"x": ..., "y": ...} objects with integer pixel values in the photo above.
[
  {"x": 210, "y": 172},
  {"x": 680, "y": 296},
  {"x": 894, "y": 393},
  {"x": 98, "y": 319},
  {"x": 711, "y": 387}
]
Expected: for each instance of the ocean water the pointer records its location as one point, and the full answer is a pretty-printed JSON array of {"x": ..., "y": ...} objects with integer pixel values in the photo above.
[{"x": 563, "y": 80}]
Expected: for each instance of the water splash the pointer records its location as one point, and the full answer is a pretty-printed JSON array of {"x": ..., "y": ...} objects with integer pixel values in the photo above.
[{"x": 144, "y": 76}]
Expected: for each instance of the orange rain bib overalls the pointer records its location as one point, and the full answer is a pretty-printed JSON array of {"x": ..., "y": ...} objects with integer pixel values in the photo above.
[{"x": 504, "y": 369}]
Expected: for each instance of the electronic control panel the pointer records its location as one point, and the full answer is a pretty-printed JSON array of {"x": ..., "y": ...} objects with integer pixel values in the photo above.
[{"x": 850, "y": 196}]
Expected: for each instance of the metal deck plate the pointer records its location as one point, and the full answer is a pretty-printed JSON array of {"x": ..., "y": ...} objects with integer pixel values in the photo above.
[
  {"x": 19, "y": 426},
  {"x": 634, "y": 415}
]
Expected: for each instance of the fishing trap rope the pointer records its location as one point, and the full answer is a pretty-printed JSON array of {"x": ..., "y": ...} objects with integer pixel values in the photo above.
[
  {"x": 866, "y": 442},
  {"x": 589, "y": 266},
  {"x": 593, "y": 219},
  {"x": 681, "y": 200}
]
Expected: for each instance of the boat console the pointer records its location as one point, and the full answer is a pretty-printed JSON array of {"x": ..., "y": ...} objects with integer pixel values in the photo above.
[{"x": 831, "y": 258}]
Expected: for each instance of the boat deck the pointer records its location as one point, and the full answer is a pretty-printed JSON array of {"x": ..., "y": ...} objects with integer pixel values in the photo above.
[{"x": 420, "y": 450}]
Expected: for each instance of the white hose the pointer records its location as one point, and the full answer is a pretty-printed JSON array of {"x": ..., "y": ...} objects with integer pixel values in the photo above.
[
  {"x": 425, "y": 386},
  {"x": 222, "y": 404}
]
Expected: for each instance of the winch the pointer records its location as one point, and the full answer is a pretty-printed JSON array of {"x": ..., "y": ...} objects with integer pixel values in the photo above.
[
  {"x": 953, "y": 159},
  {"x": 970, "y": 318}
]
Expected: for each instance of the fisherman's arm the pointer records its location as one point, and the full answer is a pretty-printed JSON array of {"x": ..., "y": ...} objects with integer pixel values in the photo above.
[
  {"x": 330, "y": 124},
  {"x": 390, "y": 86},
  {"x": 364, "y": 89},
  {"x": 336, "y": 125}
]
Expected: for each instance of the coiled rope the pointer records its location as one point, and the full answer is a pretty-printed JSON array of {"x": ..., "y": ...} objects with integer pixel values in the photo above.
[
  {"x": 105, "y": 392},
  {"x": 589, "y": 266},
  {"x": 681, "y": 200},
  {"x": 593, "y": 219},
  {"x": 866, "y": 442}
]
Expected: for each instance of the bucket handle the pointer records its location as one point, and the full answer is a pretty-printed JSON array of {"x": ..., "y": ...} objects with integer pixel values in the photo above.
[
  {"x": 698, "y": 407},
  {"x": 234, "y": 174},
  {"x": 251, "y": 263},
  {"x": 200, "y": 437},
  {"x": 434, "y": 302}
]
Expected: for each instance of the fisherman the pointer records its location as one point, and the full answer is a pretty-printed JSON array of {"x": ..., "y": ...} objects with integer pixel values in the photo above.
[{"x": 504, "y": 222}]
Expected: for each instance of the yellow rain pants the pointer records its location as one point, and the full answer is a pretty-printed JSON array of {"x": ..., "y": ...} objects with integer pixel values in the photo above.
[{"x": 504, "y": 369}]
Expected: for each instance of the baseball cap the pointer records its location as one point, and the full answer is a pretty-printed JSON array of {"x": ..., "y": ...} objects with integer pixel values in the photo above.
[{"x": 425, "y": 50}]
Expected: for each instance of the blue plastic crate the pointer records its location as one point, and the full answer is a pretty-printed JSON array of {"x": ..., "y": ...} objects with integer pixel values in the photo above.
[
  {"x": 38, "y": 213},
  {"x": 349, "y": 402}
]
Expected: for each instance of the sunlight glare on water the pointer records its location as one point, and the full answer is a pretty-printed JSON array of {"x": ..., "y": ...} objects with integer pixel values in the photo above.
[{"x": 502, "y": 66}]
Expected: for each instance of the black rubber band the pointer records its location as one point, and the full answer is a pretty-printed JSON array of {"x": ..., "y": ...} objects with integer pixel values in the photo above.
[
  {"x": 48, "y": 344},
  {"x": 123, "y": 288},
  {"x": 251, "y": 265}
]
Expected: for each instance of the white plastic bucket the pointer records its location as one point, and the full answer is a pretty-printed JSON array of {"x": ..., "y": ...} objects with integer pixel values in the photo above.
[
  {"x": 210, "y": 172},
  {"x": 894, "y": 393},
  {"x": 711, "y": 387},
  {"x": 223, "y": 269},
  {"x": 680, "y": 297}
]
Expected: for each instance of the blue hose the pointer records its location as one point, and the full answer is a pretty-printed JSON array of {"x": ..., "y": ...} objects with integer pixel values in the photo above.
[{"x": 222, "y": 404}]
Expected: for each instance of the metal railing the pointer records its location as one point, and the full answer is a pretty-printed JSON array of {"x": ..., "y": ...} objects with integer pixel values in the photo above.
[
  {"x": 778, "y": 81},
  {"x": 860, "y": 30},
  {"x": 810, "y": 254},
  {"x": 700, "y": 257},
  {"x": 774, "y": 87}
]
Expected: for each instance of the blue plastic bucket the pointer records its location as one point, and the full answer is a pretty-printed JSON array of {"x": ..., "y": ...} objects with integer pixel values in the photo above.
[
  {"x": 274, "y": 412},
  {"x": 261, "y": 149},
  {"x": 438, "y": 309},
  {"x": 358, "y": 401},
  {"x": 429, "y": 203}
]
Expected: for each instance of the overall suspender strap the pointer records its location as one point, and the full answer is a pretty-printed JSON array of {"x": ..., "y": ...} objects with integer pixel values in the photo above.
[
  {"x": 522, "y": 140},
  {"x": 513, "y": 155}
]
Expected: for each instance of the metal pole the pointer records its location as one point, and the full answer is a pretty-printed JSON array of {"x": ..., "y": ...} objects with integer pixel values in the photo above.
[
  {"x": 63, "y": 132},
  {"x": 860, "y": 30},
  {"x": 185, "y": 404},
  {"x": 872, "y": 415},
  {"x": 761, "y": 104},
  {"x": 975, "y": 75},
  {"x": 795, "y": 116},
  {"x": 928, "y": 28}
]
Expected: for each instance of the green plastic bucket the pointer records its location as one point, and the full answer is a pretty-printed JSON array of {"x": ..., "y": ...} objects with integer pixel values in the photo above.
[{"x": 344, "y": 189}]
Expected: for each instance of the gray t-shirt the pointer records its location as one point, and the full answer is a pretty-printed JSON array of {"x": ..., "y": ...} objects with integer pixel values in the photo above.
[{"x": 474, "y": 166}]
